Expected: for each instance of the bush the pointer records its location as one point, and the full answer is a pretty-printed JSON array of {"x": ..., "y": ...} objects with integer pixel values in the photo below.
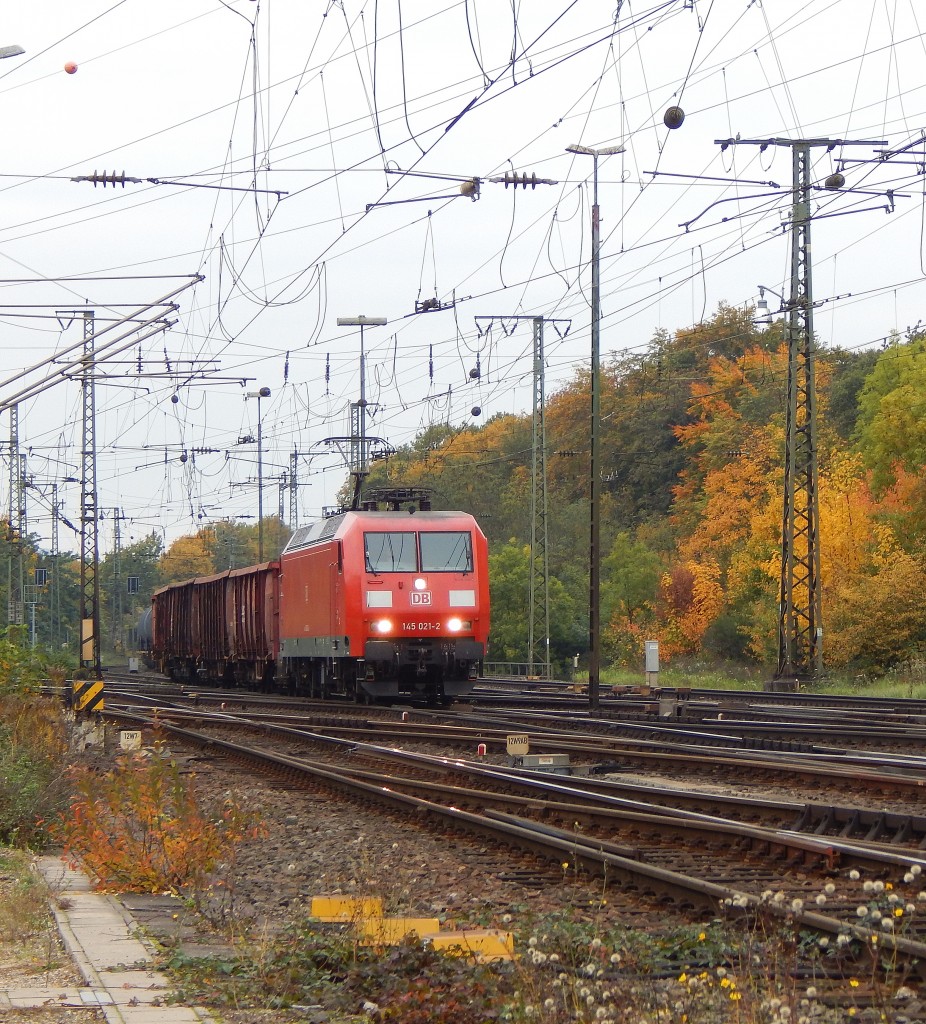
[
  {"x": 140, "y": 826},
  {"x": 32, "y": 768}
]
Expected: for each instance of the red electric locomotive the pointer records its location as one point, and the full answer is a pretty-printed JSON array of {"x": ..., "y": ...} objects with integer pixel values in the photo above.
[
  {"x": 387, "y": 604},
  {"x": 364, "y": 604}
]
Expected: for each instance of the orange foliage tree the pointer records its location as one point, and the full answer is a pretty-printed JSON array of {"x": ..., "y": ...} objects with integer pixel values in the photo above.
[
  {"x": 727, "y": 505},
  {"x": 140, "y": 826}
]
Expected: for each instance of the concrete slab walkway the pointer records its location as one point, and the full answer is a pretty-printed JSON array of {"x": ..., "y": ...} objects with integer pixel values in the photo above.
[{"x": 114, "y": 963}]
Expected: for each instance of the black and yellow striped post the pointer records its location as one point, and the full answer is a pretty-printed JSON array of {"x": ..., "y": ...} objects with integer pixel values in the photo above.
[{"x": 87, "y": 696}]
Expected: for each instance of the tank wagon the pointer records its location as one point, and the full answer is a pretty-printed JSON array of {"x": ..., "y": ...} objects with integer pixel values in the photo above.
[{"x": 364, "y": 604}]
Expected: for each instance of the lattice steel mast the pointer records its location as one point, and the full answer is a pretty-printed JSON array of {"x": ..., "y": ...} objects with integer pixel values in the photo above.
[
  {"x": 538, "y": 640},
  {"x": 800, "y": 599},
  {"x": 90, "y": 656},
  {"x": 539, "y": 630},
  {"x": 16, "y": 525},
  {"x": 800, "y": 607}
]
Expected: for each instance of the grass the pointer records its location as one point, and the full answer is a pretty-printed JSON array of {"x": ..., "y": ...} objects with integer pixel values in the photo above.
[
  {"x": 909, "y": 682},
  {"x": 570, "y": 969},
  {"x": 28, "y": 935}
]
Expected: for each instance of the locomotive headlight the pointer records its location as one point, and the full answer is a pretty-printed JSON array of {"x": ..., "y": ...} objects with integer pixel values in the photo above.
[
  {"x": 383, "y": 626},
  {"x": 454, "y": 625},
  {"x": 421, "y": 584}
]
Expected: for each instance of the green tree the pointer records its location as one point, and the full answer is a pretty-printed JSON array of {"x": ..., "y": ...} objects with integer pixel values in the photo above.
[
  {"x": 849, "y": 372},
  {"x": 121, "y": 608},
  {"x": 892, "y": 413},
  {"x": 630, "y": 579},
  {"x": 510, "y": 595}
]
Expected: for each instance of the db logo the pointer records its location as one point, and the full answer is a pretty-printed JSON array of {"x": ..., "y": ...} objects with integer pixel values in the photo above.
[{"x": 421, "y": 597}]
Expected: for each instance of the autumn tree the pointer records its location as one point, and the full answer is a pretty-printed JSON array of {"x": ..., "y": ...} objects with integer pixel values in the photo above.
[{"x": 186, "y": 558}]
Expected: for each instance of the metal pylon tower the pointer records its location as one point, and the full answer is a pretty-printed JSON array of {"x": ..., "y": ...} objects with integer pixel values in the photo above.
[
  {"x": 293, "y": 489},
  {"x": 90, "y": 656},
  {"x": 800, "y": 606},
  {"x": 539, "y": 630},
  {"x": 118, "y": 633},
  {"x": 538, "y": 638},
  {"x": 800, "y": 603},
  {"x": 55, "y": 630},
  {"x": 17, "y": 524}
]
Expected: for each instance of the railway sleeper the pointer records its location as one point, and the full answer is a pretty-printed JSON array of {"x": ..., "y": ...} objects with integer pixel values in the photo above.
[{"x": 860, "y": 823}]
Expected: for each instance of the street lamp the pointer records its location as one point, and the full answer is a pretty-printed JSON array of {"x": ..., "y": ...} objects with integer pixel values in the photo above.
[
  {"x": 11, "y": 51},
  {"x": 263, "y": 393},
  {"x": 358, "y": 427},
  {"x": 594, "y": 545}
]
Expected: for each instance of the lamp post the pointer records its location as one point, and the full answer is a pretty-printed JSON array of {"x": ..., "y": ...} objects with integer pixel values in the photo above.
[
  {"x": 263, "y": 393},
  {"x": 11, "y": 51},
  {"x": 358, "y": 427},
  {"x": 594, "y": 544}
]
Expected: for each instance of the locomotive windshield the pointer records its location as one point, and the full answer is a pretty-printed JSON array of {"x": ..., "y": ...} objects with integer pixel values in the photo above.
[
  {"x": 397, "y": 552},
  {"x": 390, "y": 552},
  {"x": 446, "y": 552}
]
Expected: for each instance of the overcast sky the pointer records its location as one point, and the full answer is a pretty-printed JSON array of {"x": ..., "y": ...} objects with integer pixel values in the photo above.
[{"x": 308, "y": 158}]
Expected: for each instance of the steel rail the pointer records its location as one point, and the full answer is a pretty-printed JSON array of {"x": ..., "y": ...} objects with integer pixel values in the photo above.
[{"x": 597, "y": 856}]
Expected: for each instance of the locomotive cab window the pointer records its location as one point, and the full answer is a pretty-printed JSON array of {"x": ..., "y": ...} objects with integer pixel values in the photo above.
[
  {"x": 390, "y": 552},
  {"x": 446, "y": 552}
]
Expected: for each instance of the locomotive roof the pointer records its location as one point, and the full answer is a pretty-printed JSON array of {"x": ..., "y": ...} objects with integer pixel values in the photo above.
[{"x": 324, "y": 529}]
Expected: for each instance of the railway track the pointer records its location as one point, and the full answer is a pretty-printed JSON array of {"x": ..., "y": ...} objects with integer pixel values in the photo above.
[
  {"x": 740, "y": 868},
  {"x": 903, "y": 781}
]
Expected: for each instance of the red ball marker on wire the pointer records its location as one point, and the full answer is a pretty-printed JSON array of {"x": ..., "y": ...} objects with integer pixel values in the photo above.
[{"x": 70, "y": 67}]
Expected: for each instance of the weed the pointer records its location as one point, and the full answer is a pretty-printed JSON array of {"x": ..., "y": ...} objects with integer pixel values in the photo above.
[
  {"x": 32, "y": 773},
  {"x": 25, "y": 921},
  {"x": 141, "y": 827}
]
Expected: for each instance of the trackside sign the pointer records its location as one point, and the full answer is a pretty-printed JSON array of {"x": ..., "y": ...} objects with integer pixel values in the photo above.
[{"x": 518, "y": 744}]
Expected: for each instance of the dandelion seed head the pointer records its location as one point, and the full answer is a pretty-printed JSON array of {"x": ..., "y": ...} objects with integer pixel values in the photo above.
[{"x": 854, "y": 875}]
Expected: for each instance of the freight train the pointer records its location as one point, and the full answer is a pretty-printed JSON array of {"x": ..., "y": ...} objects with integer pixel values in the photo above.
[{"x": 364, "y": 604}]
